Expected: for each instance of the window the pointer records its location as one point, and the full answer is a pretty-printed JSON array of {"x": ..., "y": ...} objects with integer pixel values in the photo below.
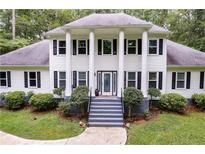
[
  {"x": 32, "y": 79},
  {"x": 153, "y": 80},
  {"x": 62, "y": 80},
  {"x": 81, "y": 46},
  {"x": 131, "y": 46},
  {"x": 152, "y": 46},
  {"x": 131, "y": 79},
  {"x": 107, "y": 47},
  {"x": 3, "y": 79},
  {"x": 61, "y": 47},
  {"x": 180, "y": 80},
  {"x": 82, "y": 79}
]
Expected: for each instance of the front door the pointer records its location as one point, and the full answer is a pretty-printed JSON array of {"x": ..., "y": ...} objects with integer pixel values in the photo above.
[{"x": 106, "y": 83}]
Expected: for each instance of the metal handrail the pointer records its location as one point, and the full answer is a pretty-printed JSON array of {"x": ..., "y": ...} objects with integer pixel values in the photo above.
[
  {"x": 122, "y": 102},
  {"x": 89, "y": 100}
]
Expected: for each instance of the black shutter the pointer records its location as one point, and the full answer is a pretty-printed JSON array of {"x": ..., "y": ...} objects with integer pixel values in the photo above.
[
  {"x": 160, "y": 80},
  {"x": 74, "y": 79},
  {"x": 125, "y": 46},
  {"x": 201, "y": 80},
  {"x": 39, "y": 79},
  {"x": 124, "y": 79},
  {"x": 173, "y": 80},
  {"x": 9, "y": 78},
  {"x": 88, "y": 78},
  {"x": 99, "y": 47},
  {"x": 55, "y": 79},
  {"x": 160, "y": 46},
  {"x": 74, "y": 47},
  {"x": 139, "y": 46},
  {"x": 188, "y": 80},
  {"x": 54, "y": 47},
  {"x": 88, "y": 46},
  {"x": 115, "y": 47},
  {"x": 26, "y": 79},
  {"x": 139, "y": 80}
]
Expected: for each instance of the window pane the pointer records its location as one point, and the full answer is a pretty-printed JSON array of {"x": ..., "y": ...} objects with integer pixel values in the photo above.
[
  {"x": 62, "y": 50},
  {"x": 82, "y": 83},
  {"x": 106, "y": 47},
  {"x": 32, "y": 75},
  {"x": 32, "y": 83},
  {"x": 152, "y": 76},
  {"x": 62, "y": 83},
  {"x": 81, "y": 43},
  {"x": 131, "y": 43},
  {"x": 132, "y": 50},
  {"x": 2, "y": 82},
  {"x": 2, "y": 74},
  {"x": 180, "y": 76},
  {"x": 131, "y": 75},
  {"x": 81, "y": 50},
  {"x": 153, "y": 43},
  {"x": 82, "y": 75},
  {"x": 131, "y": 83},
  {"x": 62, "y": 75},
  {"x": 152, "y": 50},
  {"x": 180, "y": 84},
  {"x": 152, "y": 84},
  {"x": 62, "y": 44}
]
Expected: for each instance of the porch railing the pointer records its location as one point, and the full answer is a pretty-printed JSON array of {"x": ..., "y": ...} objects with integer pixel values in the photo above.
[
  {"x": 89, "y": 100},
  {"x": 122, "y": 102}
]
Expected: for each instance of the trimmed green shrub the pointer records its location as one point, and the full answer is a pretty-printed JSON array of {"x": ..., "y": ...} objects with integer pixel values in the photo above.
[
  {"x": 132, "y": 97},
  {"x": 28, "y": 96},
  {"x": 153, "y": 92},
  {"x": 15, "y": 100},
  {"x": 199, "y": 100},
  {"x": 173, "y": 102},
  {"x": 42, "y": 102},
  {"x": 58, "y": 91},
  {"x": 80, "y": 97},
  {"x": 65, "y": 107}
]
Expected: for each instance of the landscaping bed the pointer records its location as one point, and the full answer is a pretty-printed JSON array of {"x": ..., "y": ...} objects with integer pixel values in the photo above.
[{"x": 38, "y": 125}]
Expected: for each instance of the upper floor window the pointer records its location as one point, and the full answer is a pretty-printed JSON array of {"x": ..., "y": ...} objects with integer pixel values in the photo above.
[
  {"x": 153, "y": 79},
  {"x": 3, "y": 79},
  {"x": 180, "y": 80},
  {"x": 81, "y": 46},
  {"x": 32, "y": 79},
  {"x": 62, "y": 80},
  {"x": 131, "y": 46},
  {"x": 153, "y": 47},
  {"x": 61, "y": 47},
  {"x": 107, "y": 47},
  {"x": 131, "y": 82},
  {"x": 82, "y": 79}
]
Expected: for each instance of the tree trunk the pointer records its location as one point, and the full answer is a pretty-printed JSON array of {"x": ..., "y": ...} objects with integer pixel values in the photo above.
[
  {"x": 13, "y": 24},
  {"x": 129, "y": 111}
]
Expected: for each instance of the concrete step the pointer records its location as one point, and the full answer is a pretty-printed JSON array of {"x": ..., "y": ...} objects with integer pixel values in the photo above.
[
  {"x": 105, "y": 124},
  {"x": 106, "y": 103},
  {"x": 106, "y": 114},
  {"x": 105, "y": 107},
  {"x": 105, "y": 110},
  {"x": 105, "y": 100},
  {"x": 105, "y": 119}
]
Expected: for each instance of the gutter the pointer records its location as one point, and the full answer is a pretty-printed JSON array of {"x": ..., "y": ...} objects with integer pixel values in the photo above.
[
  {"x": 24, "y": 66},
  {"x": 185, "y": 66}
]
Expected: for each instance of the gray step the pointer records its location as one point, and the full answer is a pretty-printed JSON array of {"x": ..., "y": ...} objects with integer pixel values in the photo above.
[
  {"x": 105, "y": 124},
  {"x": 106, "y": 114},
  {"x": 106, "y": 100},
  {"x": 106, "y": 118},
  {"x": 106, "y": 103},
  {"x": 105, "y": 107},
  {"x": 105, "y": 110}
]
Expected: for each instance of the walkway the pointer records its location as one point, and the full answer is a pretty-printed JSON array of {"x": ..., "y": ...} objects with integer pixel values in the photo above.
[{"x": 91, "y": 136}]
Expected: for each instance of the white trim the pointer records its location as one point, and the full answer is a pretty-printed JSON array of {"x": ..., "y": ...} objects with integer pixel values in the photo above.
[
  {"x": 136, "y": 46},
  {"x": 157, "y": 79},
  {"x": 58, "y": 54},
  {"x": 127, "y": 79},
  {"x": 86, "y": 78},
  {"x": 4, "y": 79},
  {"x": 111, "y": 40},
  {"x": 29, "y": 86},
  {"x": 61, "y": 79},
  {"x": 154, "y": 39},
  {"x": 77, "y": 47},
  {"x": 111, "y": 81},
  {"x": 181, "y": 80}
]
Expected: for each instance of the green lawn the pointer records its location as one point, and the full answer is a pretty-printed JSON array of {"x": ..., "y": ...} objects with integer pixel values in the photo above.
[
  {"x": 47, "y": 126},
  {"x": 169, "y": 129}
]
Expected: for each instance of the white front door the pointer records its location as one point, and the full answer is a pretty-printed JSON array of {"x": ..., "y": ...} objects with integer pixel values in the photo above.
[{"x": 106, "y": 83}]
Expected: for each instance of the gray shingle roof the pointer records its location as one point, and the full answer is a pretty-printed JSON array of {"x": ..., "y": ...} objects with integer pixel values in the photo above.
[
  {"x": 36, "y": 54},
  {"x": 181, "y": 55}
]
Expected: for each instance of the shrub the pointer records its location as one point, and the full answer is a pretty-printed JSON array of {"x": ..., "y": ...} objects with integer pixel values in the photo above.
[
  {"x": 28, "y": 96},
  {"x": 153, "y": 92},
  {"x": 42, "y": 102},
  {"x": 64, "y": 108},
  {"x": 15, "y": 100},
  {"x": 199, "y": 100},
  {"x": 2, "y": 99},
  {"x": 173, "y": 102},
  {"x": 132, "y": 96},
  {"x": 58, "y": 91},
  {"x": 79, "y": 97}
]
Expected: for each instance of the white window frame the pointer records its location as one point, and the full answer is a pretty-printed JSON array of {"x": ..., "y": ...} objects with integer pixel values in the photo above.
[
  {"x": 61, "y": 79},
  {"x": 29, "y": 86},
  {"x": 4, "y": 79},
  {"x": 86, "y": 78},
  {"x": 154, "y": 39},
  {"x": 86, "y": 44},
  {"x": 181, "y": 80},
  {"x": 61, "y": 47},
  {"x": 127, "y": 79},
  {"x": 111, "y": 46},
  {"x": 136, "y": 46},
  {"x": 157, "y": 79}
]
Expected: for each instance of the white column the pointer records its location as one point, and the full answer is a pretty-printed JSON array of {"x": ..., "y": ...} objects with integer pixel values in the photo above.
[
  {"x": 68, "y": 65},
  {"x": 91, "y": 62},
  {"x": 121, "y": 63},
  {"x": 144, "y": 63}
]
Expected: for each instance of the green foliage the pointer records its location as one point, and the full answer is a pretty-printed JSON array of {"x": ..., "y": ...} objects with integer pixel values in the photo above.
[
  {"x": 132, "y": 96},
  {"x": 173, "y": 102},
  {"x": 42, "y": 102},
  {"x": 15, "y": 100},
  {"x": 79, "y": 95},
  {"x": 58, "y": 91},
  {"x": 199, "y": 100},
  {"x": 29, "y": 94},
  {"x": 64, "y": 108},
  {"x": 2, "y": 96},
  {"x": 154, "y": 92}
]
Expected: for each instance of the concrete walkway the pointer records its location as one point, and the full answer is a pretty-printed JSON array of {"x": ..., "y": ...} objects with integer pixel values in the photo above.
[{"x": 91, "y": 136}]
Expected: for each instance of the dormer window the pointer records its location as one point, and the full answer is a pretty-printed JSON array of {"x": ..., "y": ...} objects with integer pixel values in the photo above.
[
  {"x": 61, "y": 47},
  {"x": 153, "y": 47},
  {"x": 81, "y": 47}
]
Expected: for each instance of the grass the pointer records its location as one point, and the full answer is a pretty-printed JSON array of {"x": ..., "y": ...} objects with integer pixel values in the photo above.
[
  {"x": 47, "y": 126},
  {"x": 169, "y": 128}
]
